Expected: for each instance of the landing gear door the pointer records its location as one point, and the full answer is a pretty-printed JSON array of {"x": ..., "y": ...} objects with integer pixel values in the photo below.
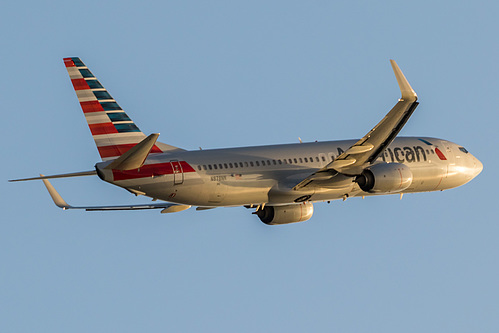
[{"x": 178, "y": 173}]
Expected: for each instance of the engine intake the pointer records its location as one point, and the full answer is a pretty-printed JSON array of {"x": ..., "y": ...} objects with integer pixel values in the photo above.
[
  {"x": 273, "y": 215},
  {"x": 385, "y": 178}
]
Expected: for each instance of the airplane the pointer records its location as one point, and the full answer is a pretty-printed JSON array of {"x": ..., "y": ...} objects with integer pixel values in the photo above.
[{"x": 280, "y": 182}]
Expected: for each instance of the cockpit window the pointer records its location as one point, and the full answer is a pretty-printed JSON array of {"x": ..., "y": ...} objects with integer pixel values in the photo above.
[{"x": 463, "y": 150}]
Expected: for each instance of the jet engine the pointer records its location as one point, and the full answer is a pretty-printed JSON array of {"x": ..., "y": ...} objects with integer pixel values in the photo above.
[
  {"x": 385, "y": 178},
  {"x": 273, "y": 215}
]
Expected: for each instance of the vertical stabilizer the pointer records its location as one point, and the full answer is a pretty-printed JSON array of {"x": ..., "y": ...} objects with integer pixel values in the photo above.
[{"x": 113, "y": 131}]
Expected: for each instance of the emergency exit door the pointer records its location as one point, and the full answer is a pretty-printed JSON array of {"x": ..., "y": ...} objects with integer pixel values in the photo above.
[{"x": 178, "y": 173}]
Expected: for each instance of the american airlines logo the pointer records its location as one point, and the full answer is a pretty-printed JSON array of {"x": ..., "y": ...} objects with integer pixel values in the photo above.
[{"x": 407, "y": 154}]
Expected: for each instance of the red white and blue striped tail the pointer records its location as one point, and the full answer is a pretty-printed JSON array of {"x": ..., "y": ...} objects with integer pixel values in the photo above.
[{"x": 113, "y": 131}]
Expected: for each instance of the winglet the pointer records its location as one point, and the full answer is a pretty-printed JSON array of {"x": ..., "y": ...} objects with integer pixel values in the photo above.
[
  {"x": 58, "y": 200},
  {"x": 136, "y": 156},
  {"x": 408, "y": 94}
]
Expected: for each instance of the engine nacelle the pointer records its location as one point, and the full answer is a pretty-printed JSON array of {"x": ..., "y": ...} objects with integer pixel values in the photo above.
[
  {"x": 286, "y": 214},
  {"x": 385, "y": 178}
]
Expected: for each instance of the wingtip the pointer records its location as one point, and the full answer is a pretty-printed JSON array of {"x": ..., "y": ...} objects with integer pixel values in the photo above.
[
  {"x": 407, "y": 92},
  {"x": 56, "y": 197}
]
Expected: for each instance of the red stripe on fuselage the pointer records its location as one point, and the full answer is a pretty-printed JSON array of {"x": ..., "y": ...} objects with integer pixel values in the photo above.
[
  {"x": 79, "y": 84},
  {"x": 104, "y": 128},
  {"x": 150, "y": 170},
  {"x": 91, "y": 106},
  {"x": 118, "y": 150}
]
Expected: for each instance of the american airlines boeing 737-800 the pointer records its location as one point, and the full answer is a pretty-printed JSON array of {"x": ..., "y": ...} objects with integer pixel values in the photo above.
[{"x": 280, "y": 182}]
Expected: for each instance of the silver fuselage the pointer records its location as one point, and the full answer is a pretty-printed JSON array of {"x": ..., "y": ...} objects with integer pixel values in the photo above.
[{"x": 266, "y": 174}]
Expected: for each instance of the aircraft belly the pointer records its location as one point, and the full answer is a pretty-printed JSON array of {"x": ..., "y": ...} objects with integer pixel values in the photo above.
[
  {"x": 218, "y": 195},
  {"x": 196, "y": 191}
]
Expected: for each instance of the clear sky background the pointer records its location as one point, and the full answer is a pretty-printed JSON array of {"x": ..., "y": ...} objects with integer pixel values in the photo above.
[{"x": 232, "y": 73}]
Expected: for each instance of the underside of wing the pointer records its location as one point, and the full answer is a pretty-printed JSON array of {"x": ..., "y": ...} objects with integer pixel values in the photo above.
[{"x": 365, "y": 151}]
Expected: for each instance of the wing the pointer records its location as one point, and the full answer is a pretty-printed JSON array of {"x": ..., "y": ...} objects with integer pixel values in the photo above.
[
  {"x": 368, "y": 149},
  {"x": 61, "y": 203}
]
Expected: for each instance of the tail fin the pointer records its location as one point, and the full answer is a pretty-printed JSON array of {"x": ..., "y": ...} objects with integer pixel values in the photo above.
[{"x": 113, "y": 131}]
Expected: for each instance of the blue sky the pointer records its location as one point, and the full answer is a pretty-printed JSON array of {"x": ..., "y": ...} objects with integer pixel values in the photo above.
[{"x": 229, "y": 73}]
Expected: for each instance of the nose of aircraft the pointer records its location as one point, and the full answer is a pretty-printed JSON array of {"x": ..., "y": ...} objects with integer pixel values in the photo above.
[{"x": 478, "y": 167}]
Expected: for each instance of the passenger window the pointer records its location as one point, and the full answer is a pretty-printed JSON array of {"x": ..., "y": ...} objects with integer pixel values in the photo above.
[
  {"x": 280, "y": 162},
  {"x": 215, "y": 166},
  {"x": 306, "y": 160},
  {"x": 251, "y": 163},
  {"x": 274, "y": 161},
  {"x": 220, "y": 166},
  {"x": 257, "y": 163},
  {"x": 311, "y": 159},
  {"x": 225, "y": 165},
  {"x": 323, "y": 159},
  {"x": 294, "y": 159},
  {"x": 199, "y": 167},
  {"x": 204, "y": 167},
  {"x": 301, "y": 161},
  {"x": 209, "y": 166},
  {"x": 317, "y": 158},
  {"x": 230, "y": 165},
  {"x": 241, "y": 164},
  {"x": 268, "y": 162},
  {"x": 246, "y": 164},
  {"x": 235, "y": 165}
]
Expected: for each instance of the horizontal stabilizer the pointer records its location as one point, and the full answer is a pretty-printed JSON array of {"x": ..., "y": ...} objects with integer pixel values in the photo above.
[
  {"x": 64, "y": 175},
  {"x": 136, "y": 156}
]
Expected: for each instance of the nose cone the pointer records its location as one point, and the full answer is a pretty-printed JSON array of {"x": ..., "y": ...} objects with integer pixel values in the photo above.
[
  {"x": 478, "y": 167},
  {"x": 466, "y": 168}
]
